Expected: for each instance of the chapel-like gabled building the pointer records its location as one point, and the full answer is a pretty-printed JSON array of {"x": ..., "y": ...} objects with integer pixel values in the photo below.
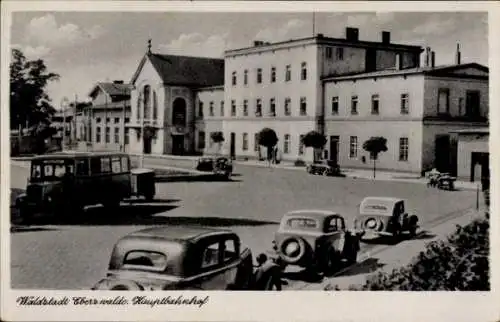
[{"x": 163, "y": 99}]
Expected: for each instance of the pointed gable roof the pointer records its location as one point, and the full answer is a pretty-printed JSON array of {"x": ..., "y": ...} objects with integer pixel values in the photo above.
[
  {"x": 112, "y": 89},
  {"x": 185, "y": 70}
]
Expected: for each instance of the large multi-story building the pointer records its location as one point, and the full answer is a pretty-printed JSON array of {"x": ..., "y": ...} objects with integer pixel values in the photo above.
[{"x": 347, "y": 89}]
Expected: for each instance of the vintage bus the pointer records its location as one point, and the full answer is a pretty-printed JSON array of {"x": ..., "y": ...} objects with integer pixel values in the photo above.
[{"x": 65, "y": 183}]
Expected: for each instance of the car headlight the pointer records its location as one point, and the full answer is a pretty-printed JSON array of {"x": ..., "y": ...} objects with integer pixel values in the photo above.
[
  {"x": 371, "y": 223},
  {"x": 291, "y": 248}
]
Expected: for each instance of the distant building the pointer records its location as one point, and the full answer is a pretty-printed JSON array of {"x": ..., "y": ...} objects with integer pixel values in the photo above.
[
  {"x": 109, "y": 116},
  {"x": 473, "y": 154}
]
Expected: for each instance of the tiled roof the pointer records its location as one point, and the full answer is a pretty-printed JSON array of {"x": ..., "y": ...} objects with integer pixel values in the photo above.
[
  {"x": 112, "y": 89},
  {"x": 417, "y": 70},
  {"x": 480, "y": 130},
  {"x": 186, "y": 70}
]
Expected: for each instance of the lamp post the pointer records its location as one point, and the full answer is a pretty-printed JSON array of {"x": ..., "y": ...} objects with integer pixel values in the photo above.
[{"x": 64, "y": 106}]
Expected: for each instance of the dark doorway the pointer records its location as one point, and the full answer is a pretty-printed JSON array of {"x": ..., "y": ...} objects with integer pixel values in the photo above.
[
  {"x": 177, "y": 144},
  {"x": 479, "y": 166},
  {"x": 179, "y": 112},
  {"x": 146, "y": 145},
  {"x": 334, "y": 148},
  {"x": 442, "y": 153},
  {"x": 371, "y": 60},
  {"x": 233, "y": 145}
]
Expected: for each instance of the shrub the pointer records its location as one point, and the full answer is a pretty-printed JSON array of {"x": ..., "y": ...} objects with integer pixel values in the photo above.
[{"x": 459, "y": 263}]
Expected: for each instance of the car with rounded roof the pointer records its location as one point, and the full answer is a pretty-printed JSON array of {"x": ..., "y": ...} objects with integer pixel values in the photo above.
[
  {"x": 316, "y": 240},
  {"x": 185, "y": 258},
  {"x": 385, "y": 216}
]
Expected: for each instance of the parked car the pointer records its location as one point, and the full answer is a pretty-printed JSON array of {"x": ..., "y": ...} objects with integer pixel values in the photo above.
[
  {"x": 64, "y": 183},
  {"x": 316, "y": 240},
  {"x": 220, "y": 166},
  {"x": 325, "y": 168},
  {"x": 185, "y": 258},
  {"x": 205, "y": 164},
  {"x": 385, "y": 216}
]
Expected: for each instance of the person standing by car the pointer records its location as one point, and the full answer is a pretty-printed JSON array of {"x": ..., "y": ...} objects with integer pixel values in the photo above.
[{"x": 273, "y": 271}]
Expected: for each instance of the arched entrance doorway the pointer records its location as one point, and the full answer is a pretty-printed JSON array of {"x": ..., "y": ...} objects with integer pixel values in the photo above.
[{"x": 179, "y": 125}]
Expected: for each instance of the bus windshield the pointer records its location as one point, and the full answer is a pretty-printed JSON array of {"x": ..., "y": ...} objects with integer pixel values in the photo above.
[{"x": 51, "y": 170}]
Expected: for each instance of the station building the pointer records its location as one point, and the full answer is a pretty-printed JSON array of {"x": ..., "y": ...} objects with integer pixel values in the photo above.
[{"x": 345, "y": 88}]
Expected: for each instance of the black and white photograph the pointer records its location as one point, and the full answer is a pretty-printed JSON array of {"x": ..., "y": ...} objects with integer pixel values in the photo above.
[{"x": 154, "y": 151}]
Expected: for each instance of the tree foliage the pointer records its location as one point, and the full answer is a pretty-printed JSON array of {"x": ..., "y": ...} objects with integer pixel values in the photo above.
[
  {"x": 268, "y": 138},
  {"x": 374, "y": 146},
  {"x": 314, "y": 139},
  {"x": 29, "y": 101},
  {"x": 459, "y": 263},
  {"x": 217, "y": 137}
]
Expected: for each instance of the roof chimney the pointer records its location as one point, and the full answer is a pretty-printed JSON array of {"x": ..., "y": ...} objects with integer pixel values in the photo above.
[
  {"x": 117, "y": 82},
  {"x": 320, "y": 35},
  {"x": 352, "y": 34},
  {"x": 433, "y": 59},
  {"x": 457, "y": 57},
  {"x": 397, "y": 65},
  {"x": 386, "y": 37},
  {"x": 427, "y": 56},
  {"x": 258, "y": 43}
]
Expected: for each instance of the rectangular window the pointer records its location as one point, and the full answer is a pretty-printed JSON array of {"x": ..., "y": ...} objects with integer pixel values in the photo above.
[
  {"x": 244, "y": 145},
  {"x": 127, "y": 136},
  {"x": 108, "y": 120},
  {"x": 273, "y": 74},
  {"x": 201, "y": 140},
  {"x": 222, "y": 108},
  {"x": 339, "y": 53},
  {"x": 233, "y": 78},
  {"x": 329, "y": 52},
  {"x": 286, "y": 144},
  {"x": 233, "y": 108},
  {"x": 256, "y": 146},
  {"x": 117, "y": 135},
  {"x": 288, "y": 73},
  {"x": 303, "y": 106},
  {"x": 200, "y": 109},
  {"x": 245, "y": 107},
  {"x": 98, "y": 120},
  {"x": 353, "y": 147},
  {"x": 354, "y": 105},
  {"x": 472, "y": 104},
  {"x": 211, "y": 109},
  {"x": 301, "y": 144},
  {"x": 303, "y": 71},
  {"x": 116, "y": 166},
  {"x": 210, "y": 142},
  {"x": 108, "y": 132},
  {"x": 258, "y": 107},
  {"x": 259, "y": 75},
  {"x": 405, "y": 103},
  {"x": 443, "y": 101},
  {"x": 127, "y": 120},
  {"x": 245, "y": 77},
  {"x": 272, "y": 107},
  {"x": 403, "y": 149},
  {"x": 105, "y": 165},
  {"x": 335, "y": 105},
  {"x": 210, "y": 256},
  {"x": 288, "y": 106},
  {"x": 117, "y": 120},
  {"x": 98, "y": 134},
  {"x": 375, "y": 104}
]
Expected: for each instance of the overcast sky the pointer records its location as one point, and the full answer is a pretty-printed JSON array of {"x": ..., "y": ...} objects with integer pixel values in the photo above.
[{"x": 88, "y": 47}]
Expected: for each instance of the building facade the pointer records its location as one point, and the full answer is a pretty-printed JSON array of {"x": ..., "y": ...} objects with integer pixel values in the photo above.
[
  {"x": 348, "y": 89},
  {"x": 473, "y": 154},
  {"x": 109, "y": 117},
  {"x": 165, "y": 91}
]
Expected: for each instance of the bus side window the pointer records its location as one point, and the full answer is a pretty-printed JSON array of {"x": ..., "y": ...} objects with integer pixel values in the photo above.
[
  {"x": 95, "y": 166},
  {"x": 115, "y": 165},
  {"x": 82, "y": 167},
  {"x": 105, "y": 165},
  {"x": 125, "y": 163}
]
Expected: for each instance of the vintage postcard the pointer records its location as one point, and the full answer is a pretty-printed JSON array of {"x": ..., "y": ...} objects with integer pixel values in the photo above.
[{"x": 164, "y": 155}]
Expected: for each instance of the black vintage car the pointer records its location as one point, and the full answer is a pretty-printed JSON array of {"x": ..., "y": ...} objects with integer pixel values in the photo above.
[
  {"x": 185, "y": 258},
  {"x": 219, "y": 165},
  {"x": 324, "y": 167}
]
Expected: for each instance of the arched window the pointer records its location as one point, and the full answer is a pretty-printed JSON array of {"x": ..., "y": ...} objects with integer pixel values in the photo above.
[
  {"x": 179, "y": 112},
  {"x": 155, "y": 106},
  {"x": 139, "y": 105},
  {"x": 147, "y": 102}
]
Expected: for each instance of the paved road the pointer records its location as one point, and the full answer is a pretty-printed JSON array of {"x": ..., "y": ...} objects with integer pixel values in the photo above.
[{"x": 74, "y": 254}]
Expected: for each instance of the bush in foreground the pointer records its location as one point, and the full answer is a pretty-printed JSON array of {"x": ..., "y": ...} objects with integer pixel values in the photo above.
[{"x": 459, "y": 263}]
